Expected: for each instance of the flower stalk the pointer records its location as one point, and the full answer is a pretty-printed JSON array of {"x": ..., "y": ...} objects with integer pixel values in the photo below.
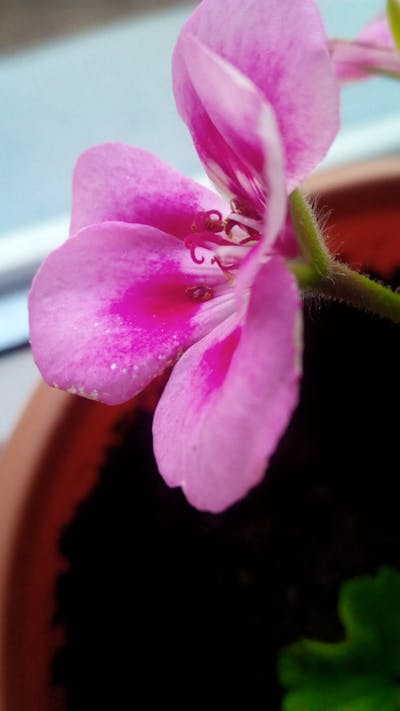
[
  {"x": 309, "y": 235},
  {"x": 319, "y": 274},
  {"x": 358, "y": 290}
]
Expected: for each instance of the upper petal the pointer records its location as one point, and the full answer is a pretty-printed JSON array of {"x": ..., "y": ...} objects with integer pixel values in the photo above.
[
  {"x": 114, "y": 306},
  {"x": 113, "y": 181},
  {"x": 234, "y": 127},
  {"x": 281, "y": 46},
  {"x": 231, "y": 395},
  {"x": 238, "y": 138}
]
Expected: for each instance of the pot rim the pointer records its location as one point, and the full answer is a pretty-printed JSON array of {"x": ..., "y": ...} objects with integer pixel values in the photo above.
[{"x": 327, "y": 180}]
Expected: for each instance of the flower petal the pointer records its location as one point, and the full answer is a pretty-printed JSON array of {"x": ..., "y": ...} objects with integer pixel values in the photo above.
[
  {"x": 230, "y": 397},
  {"x": 234, "y": 127},
  {"x": 116, "y": 305},
  {"x": 373, "y": 50},
  {"x": 287, "y": 244},
  {"x": 358, "y": 60},
  {"x": 378, "y": 32},
  {"x": 281, "y": 46},
  {"x": 246, "y": 163},
  {"x": 116, "y": 182}
]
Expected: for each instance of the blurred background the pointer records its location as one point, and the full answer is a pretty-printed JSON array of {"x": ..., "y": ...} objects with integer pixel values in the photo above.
[
  {"x": 78, "y": 72},
  {"x": 25, "y": 23}
]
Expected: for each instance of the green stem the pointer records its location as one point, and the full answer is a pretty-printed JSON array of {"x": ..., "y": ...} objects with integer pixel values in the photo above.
[
  {"x": 357, "y": 289},
  {"x": 309, "y": 236},
  {"x": 344, "y": 284},
  {"x": 319, "y": 274},
  {"x": 307, "y": 278}
]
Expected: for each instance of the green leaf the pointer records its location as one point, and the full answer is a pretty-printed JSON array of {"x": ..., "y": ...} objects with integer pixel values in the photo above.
[
  {"x": 360, "y": 673},
  {"x": 348, "y": 694},
  {"x": 393, "y": 13}
]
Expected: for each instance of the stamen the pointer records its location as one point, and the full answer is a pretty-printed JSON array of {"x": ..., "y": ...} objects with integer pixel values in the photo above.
[
  {"x": 251, "y": 226},
  {"x": 244, "y": 217},
  {"x": 206, "y": 240},
  {"x": 206, "y": 230},
  {"x": 209, "y": 221},
  {"x": 247, "y": 240},
  {"x": 192, "y": 243},
  {"x": 200, "y": 293},
  {"x": 222, "y": 266}
]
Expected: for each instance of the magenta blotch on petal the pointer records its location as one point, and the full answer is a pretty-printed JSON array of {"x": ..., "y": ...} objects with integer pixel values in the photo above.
[
  {"x": 231, "y": 396},
  {"x": 114, "y": 306}
]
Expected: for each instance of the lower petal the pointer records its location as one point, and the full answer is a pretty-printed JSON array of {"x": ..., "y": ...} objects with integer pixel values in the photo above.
[
  {"x": 231, "y": 396},
  {"x": 116, "y": 305}
]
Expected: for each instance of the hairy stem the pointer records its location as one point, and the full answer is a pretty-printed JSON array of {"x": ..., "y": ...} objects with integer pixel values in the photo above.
[
  {"x": 319, "y": 274},
  {"x": 357, "y": 289},
  {"x": 344, "y": 284},
  {"x": 308, "y": 233}
]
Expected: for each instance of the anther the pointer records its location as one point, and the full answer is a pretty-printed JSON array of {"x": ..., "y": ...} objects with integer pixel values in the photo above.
[
  {"x": 209, "y": 221},
  {"x": 200, "y": 293}
]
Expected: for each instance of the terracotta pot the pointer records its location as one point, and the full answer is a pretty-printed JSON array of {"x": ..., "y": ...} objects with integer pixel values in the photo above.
[{"x": 51, "y": 462}]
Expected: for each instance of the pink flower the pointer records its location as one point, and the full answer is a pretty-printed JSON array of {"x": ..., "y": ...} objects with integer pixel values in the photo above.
[
  {"x": 161, "y": 271},
  {"x": 373, "y": 51}
]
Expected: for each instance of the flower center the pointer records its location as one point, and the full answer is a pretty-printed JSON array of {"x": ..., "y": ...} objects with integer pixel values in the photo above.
[{"x": 225, "y": 238}]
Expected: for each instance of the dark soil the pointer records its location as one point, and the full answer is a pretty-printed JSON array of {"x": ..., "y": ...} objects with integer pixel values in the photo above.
[{"x": 166, "y": 608}]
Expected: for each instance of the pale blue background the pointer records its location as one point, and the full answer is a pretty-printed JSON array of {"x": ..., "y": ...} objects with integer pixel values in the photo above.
[{"x": 115, "y": 84}]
